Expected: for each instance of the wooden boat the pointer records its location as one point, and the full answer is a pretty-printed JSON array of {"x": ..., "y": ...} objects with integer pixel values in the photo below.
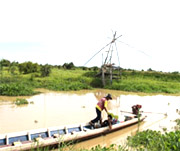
[{"x": 53, "y": 136}]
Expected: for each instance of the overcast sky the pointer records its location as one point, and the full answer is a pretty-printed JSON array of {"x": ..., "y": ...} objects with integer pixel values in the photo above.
[{"x": 64, "y": 31}]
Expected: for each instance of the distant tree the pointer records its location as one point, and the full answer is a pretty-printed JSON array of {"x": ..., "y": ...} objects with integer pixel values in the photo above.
[
  {"x": 21, "y": 67},
  {"x": 84, "y": 68},
  {"x": 28, "y": 67},
  {"x": 71, "y": 65},
  {"x": 12, "y": 67},
  {"x": 65, "y": 65},
  {"x": 45, "y": 70},
  {"x": 5, "y": 62},
  {"x": 95, "y": 68},
  {"x": 59, "y": 66},
  {"x": 35, "y": 67},
  {"x": 149, "y": 69},
  {"x": 1, "y": 68},
  {"x": 68, "y": 66},
  {"x": 175, "y": 72}
]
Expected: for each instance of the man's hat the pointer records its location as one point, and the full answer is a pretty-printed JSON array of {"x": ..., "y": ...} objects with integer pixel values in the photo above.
[{"x": 109, "y": 96}]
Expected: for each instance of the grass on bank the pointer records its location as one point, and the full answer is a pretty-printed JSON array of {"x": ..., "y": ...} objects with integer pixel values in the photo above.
[{"x": 78, "y": 79}]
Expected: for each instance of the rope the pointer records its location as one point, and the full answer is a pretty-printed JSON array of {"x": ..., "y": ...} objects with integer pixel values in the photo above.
[
  {"x": 117, "y": 54},
  {"x": 135, "y": 48},
  {"x": 96, "y": 53},
  {"x": 114, "y": 39}
]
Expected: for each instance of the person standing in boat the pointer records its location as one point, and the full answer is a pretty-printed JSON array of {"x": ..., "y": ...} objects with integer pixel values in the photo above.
[{"x": 101, "y": 105}]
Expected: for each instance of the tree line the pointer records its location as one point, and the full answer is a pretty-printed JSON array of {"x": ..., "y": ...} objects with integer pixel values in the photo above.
[
  {"x": 30, "y": 67},
  {"x": 25, "y": 67},
  {"x": 45, "y": 70}
]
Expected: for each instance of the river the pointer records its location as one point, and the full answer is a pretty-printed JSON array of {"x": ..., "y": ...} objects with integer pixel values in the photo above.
[{"x": 60, "y": 108}]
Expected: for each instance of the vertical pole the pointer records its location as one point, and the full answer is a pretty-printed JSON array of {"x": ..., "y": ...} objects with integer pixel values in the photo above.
[
  {"x": 110, "y": 69},
  {"x": 29, "y": 136},
  {"x": 103, "y": 76},
  {"x": 7, "y": 140}
]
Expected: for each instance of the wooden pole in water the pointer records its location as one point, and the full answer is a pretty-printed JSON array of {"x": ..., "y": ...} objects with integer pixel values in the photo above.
[
  {"x": 103, "y": 77},
  {"x": 110, "y": 75}
]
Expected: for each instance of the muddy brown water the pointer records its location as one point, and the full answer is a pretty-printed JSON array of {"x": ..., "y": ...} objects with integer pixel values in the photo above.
[{"x": 61, "y": 108}]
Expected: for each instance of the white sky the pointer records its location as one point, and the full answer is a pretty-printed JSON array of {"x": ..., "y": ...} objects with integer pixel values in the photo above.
[{"x": 58, "y": 32}]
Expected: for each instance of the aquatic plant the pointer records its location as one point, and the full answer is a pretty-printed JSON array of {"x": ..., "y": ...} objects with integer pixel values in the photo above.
[
  {"x": 21, "y": 101},
  {"x": 147, "y": 140}
]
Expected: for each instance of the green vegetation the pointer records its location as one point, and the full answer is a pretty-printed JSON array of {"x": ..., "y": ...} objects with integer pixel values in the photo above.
[
  {"x": 16, "y": 89},
  {"x": 155, "y": 141},
  {"x": 148, "y": 82},
  {"x": 22, "y": 79},
  {"x": 21, "y": 101}
]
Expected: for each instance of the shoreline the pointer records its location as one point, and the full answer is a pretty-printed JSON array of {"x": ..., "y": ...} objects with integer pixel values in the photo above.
[{"x": 43, "y": 90}]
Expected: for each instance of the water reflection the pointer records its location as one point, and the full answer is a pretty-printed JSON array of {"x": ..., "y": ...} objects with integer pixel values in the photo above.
[{"x": 54, "y": 109}]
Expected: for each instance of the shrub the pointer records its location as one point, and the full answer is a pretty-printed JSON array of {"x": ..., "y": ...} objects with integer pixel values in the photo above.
[
  {"x": 21, "y": 101},
  {"x": 16, "y": 89},
  {"x": 28, "y": 67},
  {"x": 45, "y": 70}
]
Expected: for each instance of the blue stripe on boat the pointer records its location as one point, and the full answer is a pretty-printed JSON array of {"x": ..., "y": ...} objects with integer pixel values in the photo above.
[
  {"x": 18, "y": 138},
  {"x": 61, "y": 132},
  {"x": 74, "y": 129},
  {"x": 42, "y": 135},
  {"x": 3, "y": 141}
]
